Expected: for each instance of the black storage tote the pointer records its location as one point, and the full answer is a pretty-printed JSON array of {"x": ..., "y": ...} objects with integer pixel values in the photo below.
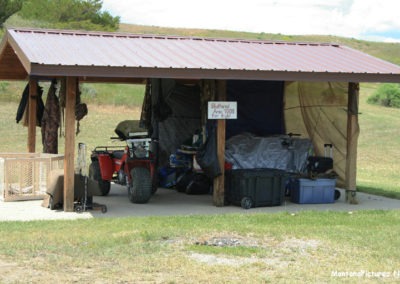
[{"x": 255, "y": 187}]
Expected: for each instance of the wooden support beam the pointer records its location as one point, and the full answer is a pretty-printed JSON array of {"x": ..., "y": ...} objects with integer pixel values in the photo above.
[
  {"x": 32, "y": 103},
  {"x": 219, "y": 182},
  {"x": 71, "y": 91},
  {"x": 352, "y": 139}
]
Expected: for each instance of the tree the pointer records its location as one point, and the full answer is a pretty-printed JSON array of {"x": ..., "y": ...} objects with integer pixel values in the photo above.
[
  {"x": 75, "y": 14},
  {"x": 8, "y": 8}
]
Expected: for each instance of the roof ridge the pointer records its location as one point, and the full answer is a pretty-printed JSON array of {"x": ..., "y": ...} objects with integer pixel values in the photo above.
[{"x": 168, "y": 37}]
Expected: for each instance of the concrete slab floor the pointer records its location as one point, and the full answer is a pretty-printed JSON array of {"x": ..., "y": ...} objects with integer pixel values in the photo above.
[{"x": 168, "y": 202}]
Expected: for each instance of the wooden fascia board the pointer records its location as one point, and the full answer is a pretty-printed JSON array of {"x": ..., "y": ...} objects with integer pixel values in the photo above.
[
  {"x": 115, "y": 80},
  {"x": 11, "y": 67},
  {"x": 3, "y": 44},
  {"x": 19, "y": 52},
  {"x": 228, "y": 74}
]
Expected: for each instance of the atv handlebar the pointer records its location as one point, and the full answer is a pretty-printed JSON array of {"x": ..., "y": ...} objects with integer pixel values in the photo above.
[{"x": 106, "y": 148}]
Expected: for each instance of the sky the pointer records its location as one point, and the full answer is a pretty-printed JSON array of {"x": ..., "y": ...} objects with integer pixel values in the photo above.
[{"x": 376, "y": 20}]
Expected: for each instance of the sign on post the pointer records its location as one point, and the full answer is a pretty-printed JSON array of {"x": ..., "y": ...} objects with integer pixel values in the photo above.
[{"x": 222, "y": 110}]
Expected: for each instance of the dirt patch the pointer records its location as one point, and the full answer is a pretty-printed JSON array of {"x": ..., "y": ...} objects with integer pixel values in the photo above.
[
  {"x": 9, "y": 271},
  {"x": 228, "y": 241},
  {"x": 298, "y": 245},
  {"x": 273, "y": 252},
  {"x": 211, "y": 259}
]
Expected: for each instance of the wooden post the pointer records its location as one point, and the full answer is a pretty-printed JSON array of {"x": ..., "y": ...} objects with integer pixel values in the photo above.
[
  {"x": 352, "y": 139},
  {"x": 71, "y": 91},
  {"x": 219, "y": 182},
  {"x": 32, "y": 102}
]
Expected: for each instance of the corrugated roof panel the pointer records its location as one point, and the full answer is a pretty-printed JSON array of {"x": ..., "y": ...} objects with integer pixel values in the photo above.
[{"x": 72, "y": 48}]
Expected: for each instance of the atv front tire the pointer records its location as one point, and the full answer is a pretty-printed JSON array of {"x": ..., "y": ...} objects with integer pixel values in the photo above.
[{"x": 140, "y": 186}]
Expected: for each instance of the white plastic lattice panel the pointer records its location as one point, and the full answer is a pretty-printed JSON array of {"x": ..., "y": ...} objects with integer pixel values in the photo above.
[{"x": 26, "y": 177}]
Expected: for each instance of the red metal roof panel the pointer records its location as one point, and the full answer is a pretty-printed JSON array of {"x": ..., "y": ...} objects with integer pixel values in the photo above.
[{"x": 72, "y": 48}]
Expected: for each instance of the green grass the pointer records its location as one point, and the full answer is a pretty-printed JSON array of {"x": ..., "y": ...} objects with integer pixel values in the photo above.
[
  {"x": 127, "y": 95},
  {"x": 113, "y": 94},
  {"x": 95, "y": 129},
  {"x": 378, "y": 148},
  {"x": 277, "y": 248}
]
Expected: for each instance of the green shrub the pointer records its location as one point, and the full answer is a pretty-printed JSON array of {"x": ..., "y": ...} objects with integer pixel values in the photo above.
[
  {"x": 3, "y": 86},
  {"x": 387, "y": 95}
]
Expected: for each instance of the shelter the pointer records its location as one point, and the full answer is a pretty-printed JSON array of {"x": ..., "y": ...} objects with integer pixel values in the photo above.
[{"x": 319, "y": 81}]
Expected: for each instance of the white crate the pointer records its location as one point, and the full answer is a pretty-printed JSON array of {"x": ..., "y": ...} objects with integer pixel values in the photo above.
[{"x": 25, "y": 176}]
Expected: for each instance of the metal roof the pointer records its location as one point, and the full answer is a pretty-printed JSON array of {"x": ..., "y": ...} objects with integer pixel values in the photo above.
[{"x": 117, "y": 55}]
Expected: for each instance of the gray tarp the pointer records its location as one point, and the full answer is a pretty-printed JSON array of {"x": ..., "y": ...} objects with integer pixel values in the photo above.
[{"x": 246, "y": 151}]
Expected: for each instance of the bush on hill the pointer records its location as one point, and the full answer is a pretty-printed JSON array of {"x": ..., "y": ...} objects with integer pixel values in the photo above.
[{"x": 387, "y": 95}]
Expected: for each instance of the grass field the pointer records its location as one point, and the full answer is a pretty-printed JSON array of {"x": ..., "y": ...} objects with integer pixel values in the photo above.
[
  {"x": 309, "y": 247},
  {"x": 378, "y": 148}
]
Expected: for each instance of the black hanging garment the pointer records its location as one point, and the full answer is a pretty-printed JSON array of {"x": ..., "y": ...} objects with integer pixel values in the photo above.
[
  {"x": 22, "y": 104},
  {"x": 23, "y": 110}
]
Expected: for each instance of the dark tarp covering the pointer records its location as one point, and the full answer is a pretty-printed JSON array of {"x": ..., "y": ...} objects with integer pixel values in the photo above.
[
  {"x": 176, "y": 114},
  {"x": 260, "y": 107},
  {"x": 183, "y": 103}
]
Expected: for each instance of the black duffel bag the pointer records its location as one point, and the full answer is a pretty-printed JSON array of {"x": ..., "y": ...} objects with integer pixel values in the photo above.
[{"x": 207, "y": 156}]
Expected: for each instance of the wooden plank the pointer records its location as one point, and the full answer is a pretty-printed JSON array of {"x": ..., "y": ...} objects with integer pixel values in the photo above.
[
  {"x": 32, "y": 102},
  {"x": 71, "y": 91},
  {"x": 219, "y": 182},
  {"x": 352, "y": 139}
]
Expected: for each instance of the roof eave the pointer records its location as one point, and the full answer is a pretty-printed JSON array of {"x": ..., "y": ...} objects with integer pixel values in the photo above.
[{"x": 219, "y": 74}]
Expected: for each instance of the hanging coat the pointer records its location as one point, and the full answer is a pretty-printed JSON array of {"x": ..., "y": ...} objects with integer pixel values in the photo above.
[
  {"x": 51, "y": 122},
  {"x": 22, "y": 112}
]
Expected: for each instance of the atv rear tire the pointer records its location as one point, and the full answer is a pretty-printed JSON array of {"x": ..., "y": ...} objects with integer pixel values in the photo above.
[
  {"x": 95, "y": 174},
  {"x": 140, "y": 186}
]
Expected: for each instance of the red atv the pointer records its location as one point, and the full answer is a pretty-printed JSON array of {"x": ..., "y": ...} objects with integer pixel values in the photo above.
[{"x": 132, "y": 165}]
